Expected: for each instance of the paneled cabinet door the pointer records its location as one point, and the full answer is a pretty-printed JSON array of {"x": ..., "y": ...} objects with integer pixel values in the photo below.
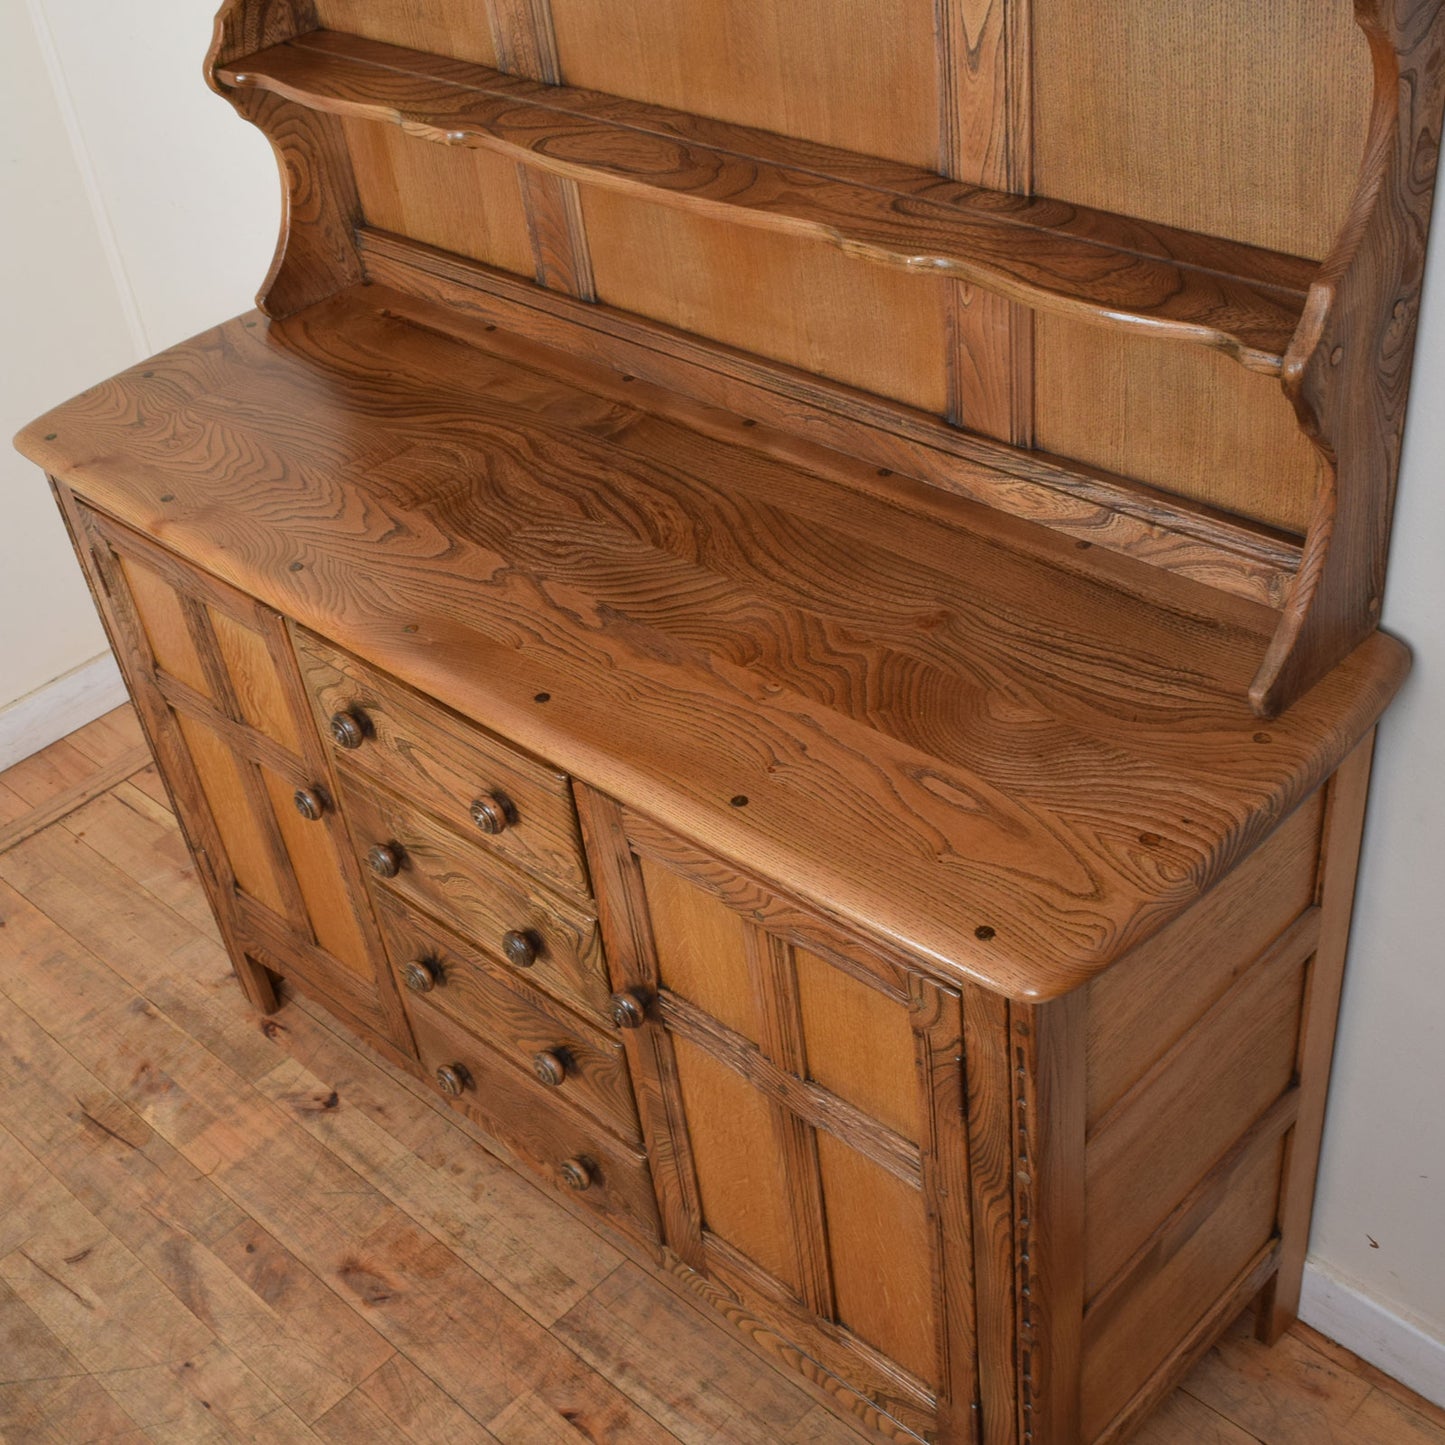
[
  {"x": 214, "y": 678},
  {"x": 803, "y": 1101}
]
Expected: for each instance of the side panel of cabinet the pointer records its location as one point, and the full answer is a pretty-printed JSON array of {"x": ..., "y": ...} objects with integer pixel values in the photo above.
[
  {"x": 215, "y": 681},
  {"x": 805, "y": 1114}
]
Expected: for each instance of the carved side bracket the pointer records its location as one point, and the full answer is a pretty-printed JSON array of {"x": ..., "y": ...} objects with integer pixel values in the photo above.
[
  {"x": 316, "y": 252},
  {"x": 1347, "y": 372}
]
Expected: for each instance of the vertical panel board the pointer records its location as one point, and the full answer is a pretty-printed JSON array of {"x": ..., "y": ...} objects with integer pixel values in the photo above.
[
  {"x": 702, "y": 952},
  {"x": 219, "y": 771},
  {"x": 312, "y": 850},
  {"x": 444, "y": 28},
  {"x": 1169, "y": 111},
  {"x": 1224, "y": 116},
  {"x": 253, "y": 677},
  {"x": 164, "y": 620},
  {"x": 791, "y": 298},
  {"x": 1186, "y": 420},
  {"x": 858, "y": 1043},
  {"x": 852, "y": 73},
  {"x": 738, "y": 1157},
  {"x": 882, "y": 1281},
  {"x": 462, "y": 200}
]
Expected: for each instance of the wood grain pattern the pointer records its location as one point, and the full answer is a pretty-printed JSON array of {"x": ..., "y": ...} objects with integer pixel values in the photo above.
[
  {"x": 467, "y": 202},
  {"x": 1140, "y": 1007},
  {"x": 527, "y": 45},
  {"x": 1108, "y": 511},
  {"x": 856, "y": 74},
  {"x": 1166, "y": 107},
  {"x": 676, "y": 612},
  {"x": 1093, "y": 265},
  {"x": 985, "y": 60},
  {"x": 543, "y": 1133},
  {"x": 444, "y": 764},
  {"x": 514, "y": 1020},
  {"x": 448, "y": 876}
]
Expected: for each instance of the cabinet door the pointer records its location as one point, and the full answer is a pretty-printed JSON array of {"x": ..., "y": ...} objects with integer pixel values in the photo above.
[
  {"x": 213, "y": 675},
  {"x": 803, "y": 1102}
]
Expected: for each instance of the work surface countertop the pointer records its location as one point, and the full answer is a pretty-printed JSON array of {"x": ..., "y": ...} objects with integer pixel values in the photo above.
[{"x": 958, "y": 732}]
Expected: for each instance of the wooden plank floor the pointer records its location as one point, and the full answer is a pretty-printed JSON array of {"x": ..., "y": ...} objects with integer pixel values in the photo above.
[{"x": 214, "y": 1227}]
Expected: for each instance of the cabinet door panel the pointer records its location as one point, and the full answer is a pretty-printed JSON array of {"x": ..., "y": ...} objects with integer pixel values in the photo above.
[
  {"x": 739, "y": 1156},
  {"x": 859, "y": 1043},
  {"x": 798, "y": 1092},
  {"x": 217, "y": 687},
  {"x": 888, "y": 1303}
]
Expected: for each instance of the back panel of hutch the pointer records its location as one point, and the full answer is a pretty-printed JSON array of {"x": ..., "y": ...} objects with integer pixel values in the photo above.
[{"x": 781, "y": 598}]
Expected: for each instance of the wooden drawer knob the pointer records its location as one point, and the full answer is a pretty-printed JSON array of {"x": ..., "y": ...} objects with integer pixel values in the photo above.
[
  {"x": 310, "y": 803},
  {"x": 520, "y": 947},
  {"x": 628, "y": 1009},
  {"x": 453, "y": 1079},
  {"x": 550, "y": 1067},
  {"x": 490, "y": 813},
  {"x": 384, "y": 860},
  {"x": 348, "y": 729},
  {"x": 577, "y": 1173},
  {"x": 421, "y": 976}
]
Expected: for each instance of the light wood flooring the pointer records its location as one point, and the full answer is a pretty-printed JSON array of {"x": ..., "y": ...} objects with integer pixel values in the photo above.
[{"x": 214, "y": 1227}]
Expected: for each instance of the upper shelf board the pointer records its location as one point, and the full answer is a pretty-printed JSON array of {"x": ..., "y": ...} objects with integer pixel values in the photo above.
[{"x": 1095, "y": 265}]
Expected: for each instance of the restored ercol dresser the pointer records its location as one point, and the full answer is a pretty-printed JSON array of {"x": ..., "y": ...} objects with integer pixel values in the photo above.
[{"x": 781, "y": 599}]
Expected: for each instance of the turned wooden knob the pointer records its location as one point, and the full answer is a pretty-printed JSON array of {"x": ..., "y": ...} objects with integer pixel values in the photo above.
[
  {"x": 490, "y": 813},
  {"x": 550, "y": 1067},
  {"x": 421, "y": 976},
  {"x": 309, "y": 803},
  {"x": 453, "y": 1079},
  {"x": 384, "y": 860},
  {"x": 628, "y": 1009},
  {"x": 348, "y": 729},
  {"x": 520, "y": 947},
  {"x": 577, "y": 1173}
]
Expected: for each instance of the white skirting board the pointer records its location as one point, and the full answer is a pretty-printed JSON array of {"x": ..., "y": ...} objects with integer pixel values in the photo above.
[
  {"x": 1403, "y": 1349},
  {"x": 50, "y": 712}
]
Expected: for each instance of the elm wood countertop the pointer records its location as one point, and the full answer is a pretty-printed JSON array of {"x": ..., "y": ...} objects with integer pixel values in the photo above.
[{"x": 952, "y": 730}]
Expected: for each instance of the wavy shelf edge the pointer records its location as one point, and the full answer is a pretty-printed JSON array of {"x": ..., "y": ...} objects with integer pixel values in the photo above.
[{"x": 995, "y": 242}]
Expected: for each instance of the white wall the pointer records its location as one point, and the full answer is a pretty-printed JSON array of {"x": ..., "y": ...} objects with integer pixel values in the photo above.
[
  {"x": 1380, "y": 1217},
  {"x": 136, "y": 209},
  {"x": 140, "y": 210}
]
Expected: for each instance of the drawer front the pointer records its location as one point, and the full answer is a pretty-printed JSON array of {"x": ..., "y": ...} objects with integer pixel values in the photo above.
[
  {"x": 580, "y": 1065},
  {"x": 507, "y": 800},
  {"x": 552, "y": 941},
  {"x": 569, "y": 1150}
]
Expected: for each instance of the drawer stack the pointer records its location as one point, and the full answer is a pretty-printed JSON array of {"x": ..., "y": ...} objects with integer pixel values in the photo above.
[{"x": 475, "y": 862}]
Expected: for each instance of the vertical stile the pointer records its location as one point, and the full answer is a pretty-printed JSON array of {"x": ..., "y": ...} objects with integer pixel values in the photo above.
[
  {"x": 985, "y": 122},
  {"x": 775, "y": 985},
  {"x": 989, "y": 1083},
  {"x": 937, "y": 1023},
  {"x": 526, "y": 43},
  {"x": 632, "y": 963},
  {"x": 1050, "y": 1108}
]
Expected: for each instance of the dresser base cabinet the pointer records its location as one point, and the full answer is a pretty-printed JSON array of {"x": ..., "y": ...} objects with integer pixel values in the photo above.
[{"x": 959, "y": 1216}]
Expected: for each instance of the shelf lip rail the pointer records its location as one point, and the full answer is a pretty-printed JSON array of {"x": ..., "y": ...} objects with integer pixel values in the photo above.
[{"x": 1097, "y": 266}]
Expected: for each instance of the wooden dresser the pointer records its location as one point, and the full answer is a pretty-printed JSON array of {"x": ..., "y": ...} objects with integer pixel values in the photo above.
[{"x": 781, "y": 599}]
